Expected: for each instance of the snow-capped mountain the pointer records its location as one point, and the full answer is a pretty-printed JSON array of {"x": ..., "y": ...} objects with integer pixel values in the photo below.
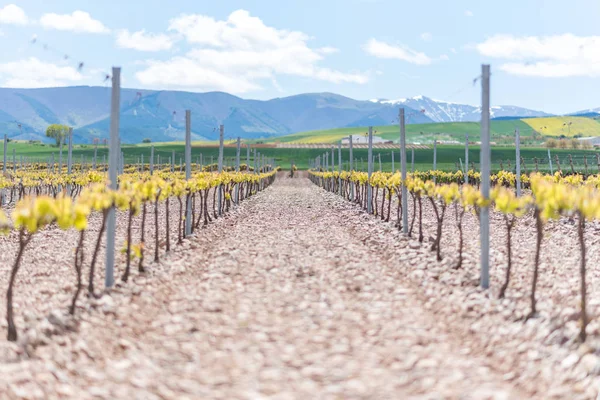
[
  {"x": 514, "y": 111},
  {"x": 591, "y": 112},
  {"x": 445, "y": 111}
]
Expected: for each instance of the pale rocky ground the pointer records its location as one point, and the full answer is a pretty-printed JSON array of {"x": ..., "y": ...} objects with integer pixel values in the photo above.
[{"x": 299, "y": 294}]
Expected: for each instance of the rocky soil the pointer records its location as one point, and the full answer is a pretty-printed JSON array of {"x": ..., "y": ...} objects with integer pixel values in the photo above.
[{"x": 299, "y": 294}]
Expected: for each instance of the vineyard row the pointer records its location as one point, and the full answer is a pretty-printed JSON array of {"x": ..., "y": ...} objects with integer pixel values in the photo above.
[
  {"x": 548, "y": 197},
  {"x": 46, "y": 201}
]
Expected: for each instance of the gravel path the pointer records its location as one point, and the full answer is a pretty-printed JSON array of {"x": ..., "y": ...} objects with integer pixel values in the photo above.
[{"x": 285, "y": 298}]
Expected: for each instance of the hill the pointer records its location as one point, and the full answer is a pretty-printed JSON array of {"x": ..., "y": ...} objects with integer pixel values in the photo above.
[
  {"x": 445, "y": 111},
  {"x": 160, "y": 116},
  {"x": 502, "y": 132}
]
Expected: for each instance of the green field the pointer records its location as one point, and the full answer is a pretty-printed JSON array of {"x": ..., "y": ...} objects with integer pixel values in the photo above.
[
  {"x": 447, "y": 156},
  {"x": 502, "y": 133}
]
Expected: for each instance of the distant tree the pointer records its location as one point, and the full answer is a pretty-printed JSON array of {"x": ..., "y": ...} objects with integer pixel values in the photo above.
[
  {"x": 563, "y": 144},
  {"x": 57, "y": 132},
  {"x": 575, "y": 143},
  {"x": 551, "y": 143},
  {"x": 146, "y": 140}
]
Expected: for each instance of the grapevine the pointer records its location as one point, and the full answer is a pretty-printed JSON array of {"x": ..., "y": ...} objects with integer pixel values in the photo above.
[
  {"x": 67, "y": 201},
  {"x": 548, "y": 197}
]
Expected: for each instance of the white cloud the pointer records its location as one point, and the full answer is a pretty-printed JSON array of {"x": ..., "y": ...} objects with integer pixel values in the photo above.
[
  {"x": 426, "y": 36},
  {"x": 380, "y": 49},
  {"x": 182, "y": 72},
  {"x": 444, "y": 57},
  {"x": 331, "y": 75},
  {"x": 33, "y": 73},
  {"x": 143, "y": 41},
  {"x": 237, "y": 55},
  {"x": 545, "y": 56},
  {"x": 78, "y": 21},
  {"x": 551, "y": 70},
  {"x": 277, "y": 86},
  {"x": 469, "y": 13},
  {"x": 328, "y": 50},
  {"x": 453, "y": 50},
  {"x": 13, "y": 14}
]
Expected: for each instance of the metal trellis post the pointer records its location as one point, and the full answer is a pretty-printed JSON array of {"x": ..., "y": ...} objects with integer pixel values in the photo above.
[
  {"x": 485, "y": 176},
  {"x": 113, "y": 160}
]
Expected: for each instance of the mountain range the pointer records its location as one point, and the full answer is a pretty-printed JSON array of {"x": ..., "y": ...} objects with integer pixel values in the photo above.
[
  {"x": 444, "y": 111},
  {"x": 591, "y": 113},
  {"x": 160, "y": 115}
]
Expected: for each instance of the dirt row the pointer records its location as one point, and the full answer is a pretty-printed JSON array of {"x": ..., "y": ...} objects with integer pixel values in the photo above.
[{"x": 300, "y": 294}]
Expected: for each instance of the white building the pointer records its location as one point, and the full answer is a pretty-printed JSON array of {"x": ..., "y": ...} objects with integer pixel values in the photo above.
[{"x": 356, "y": 139}]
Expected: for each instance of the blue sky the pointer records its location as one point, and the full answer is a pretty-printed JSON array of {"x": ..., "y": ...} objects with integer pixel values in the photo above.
[{"x": 543, "y": 53}]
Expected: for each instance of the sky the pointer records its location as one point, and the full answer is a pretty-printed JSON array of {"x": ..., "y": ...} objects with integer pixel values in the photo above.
[{"x": 544, "y": 54}]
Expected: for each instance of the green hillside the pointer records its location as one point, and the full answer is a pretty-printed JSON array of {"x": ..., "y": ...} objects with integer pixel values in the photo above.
[{"x": 502, "y": 132}]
